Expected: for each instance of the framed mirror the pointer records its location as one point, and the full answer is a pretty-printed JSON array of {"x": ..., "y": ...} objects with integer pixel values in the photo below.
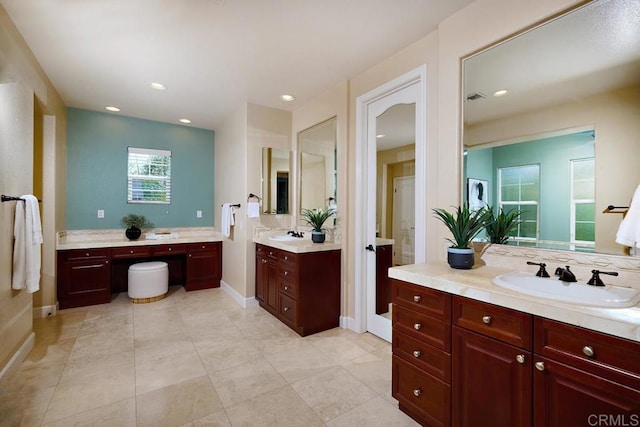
[
  {"x": 276, "y": 166},
  {"x": 318, "y": 165},
  {"x": 550, "y": 126}
]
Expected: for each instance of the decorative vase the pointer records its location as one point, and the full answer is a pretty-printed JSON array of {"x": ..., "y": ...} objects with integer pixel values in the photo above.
[
  {"x": 460, "y": 258},
  {"x": 318, "y": 236},
  {"x": 133, "y": 233}
]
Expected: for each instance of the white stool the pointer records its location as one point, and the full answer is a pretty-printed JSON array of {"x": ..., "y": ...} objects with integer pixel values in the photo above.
[{"x": 148, "y": 281}]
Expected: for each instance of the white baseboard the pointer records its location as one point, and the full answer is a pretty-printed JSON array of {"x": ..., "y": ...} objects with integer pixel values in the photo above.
[
  {"x": 45, "y": 311},
  {"x": 237, "y": 297},
  {"x": 19, "y": 356},
  {"x": 350, "y": 323}
]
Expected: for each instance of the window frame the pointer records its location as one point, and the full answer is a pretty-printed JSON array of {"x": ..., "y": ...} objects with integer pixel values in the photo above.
[
  {"x": 165, "y": 179},
  {"x": 574, "y": 202},
  {"x": 502, "y": 203}
]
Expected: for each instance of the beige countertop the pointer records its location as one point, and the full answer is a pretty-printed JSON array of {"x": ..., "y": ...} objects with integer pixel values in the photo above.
[
  {"x": 477, "y": 284},
  {"x": 383, "y": 242},
  {"x": 85, "y": 239},
  {"x": 298, "y": 246}
]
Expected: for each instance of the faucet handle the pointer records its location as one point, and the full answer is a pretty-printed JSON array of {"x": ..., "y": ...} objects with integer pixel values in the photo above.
[
  {"x": 542, "y": 272},
  {"x": 596, "y": 280}
]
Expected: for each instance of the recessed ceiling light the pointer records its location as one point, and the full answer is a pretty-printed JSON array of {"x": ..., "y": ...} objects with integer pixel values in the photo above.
[
  {"x": 287, "y": 98},
  {"x": 500, "y": 92},
  {"x": 112, "y": 108},
  {"x": 158, "y": 86},
  {"x": 380, "y": 136},
  {"x": 185, "y": 121}
]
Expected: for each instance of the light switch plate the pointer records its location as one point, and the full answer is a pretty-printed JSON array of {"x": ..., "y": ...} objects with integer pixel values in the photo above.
[
  {"x": 198, "y": 214},
  {"x": 100, "y": 213}
]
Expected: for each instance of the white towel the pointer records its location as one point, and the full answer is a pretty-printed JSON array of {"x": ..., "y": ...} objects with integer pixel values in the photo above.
[
  {"x": 253, "y": 210},
  {"x": 27, "y": 232},
  {"x": 629, "y": 230},
  {"x": 227, "y": 219}
]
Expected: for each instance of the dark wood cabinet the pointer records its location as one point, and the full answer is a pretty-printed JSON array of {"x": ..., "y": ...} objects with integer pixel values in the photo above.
[
  {"x": 204, "y": 261},
  {"x": 384, "y": 260},
  {"x": 301, "y": 290},
  {"x": 84, "y": 277}
]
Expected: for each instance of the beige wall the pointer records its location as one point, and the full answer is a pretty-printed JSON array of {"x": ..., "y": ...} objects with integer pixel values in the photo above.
[
  {"x": 22, "y": 84},
  {"x": 392, "y": 163}
]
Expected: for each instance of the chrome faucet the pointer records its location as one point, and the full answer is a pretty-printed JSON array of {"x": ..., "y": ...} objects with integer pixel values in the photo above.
[{"x": 565, "y": 274}]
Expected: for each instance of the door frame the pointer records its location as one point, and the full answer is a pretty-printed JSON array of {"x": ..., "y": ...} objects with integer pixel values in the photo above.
[{"x": 363, "y": 102}]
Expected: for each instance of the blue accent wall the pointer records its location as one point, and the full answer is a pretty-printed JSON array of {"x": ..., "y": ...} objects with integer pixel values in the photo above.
[{"x": 97, "y": 171}]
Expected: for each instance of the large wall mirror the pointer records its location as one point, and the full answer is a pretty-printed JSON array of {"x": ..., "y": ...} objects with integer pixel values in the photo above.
[
  {"x": 276, "y": 166},
  {"x": 551, "y": 126},
  {"x": 318, "y": 165}
]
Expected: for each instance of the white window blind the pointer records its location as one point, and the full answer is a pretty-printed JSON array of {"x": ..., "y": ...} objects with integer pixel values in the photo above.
[{"x": 149, "y": 176}]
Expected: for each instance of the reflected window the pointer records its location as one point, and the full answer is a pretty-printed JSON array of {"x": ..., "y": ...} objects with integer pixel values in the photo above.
[
  {"x": 583, "y": 210},
  {"x": 519, "y": 188},
  {"x": 148, "y": 176}
]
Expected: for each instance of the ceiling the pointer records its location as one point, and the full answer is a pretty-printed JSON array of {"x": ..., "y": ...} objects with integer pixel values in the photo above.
[{"x": 213, "y": 55}]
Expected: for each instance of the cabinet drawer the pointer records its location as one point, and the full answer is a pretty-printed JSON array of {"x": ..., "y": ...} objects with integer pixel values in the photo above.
[
  {"x": 169, "y": 249},
  {"x": 288, "y": 309},
  {"x": 202, "y": 247},
  {"x": 287, "y": 274},
  {"x": 422, "y": 327},
  {"x": 424, "y": 397},
  {"x": 290, "y": 288},
  {"x": 430, "y": 359},
  {"x": 510, "y": 326},
  {"x": 131, "y": 252},
  {"x": 428, "y": 301},
  {"x": 287, "y": 258},
  {"x": 611, "y": 357},
  {"x": 80, "y": 254}
]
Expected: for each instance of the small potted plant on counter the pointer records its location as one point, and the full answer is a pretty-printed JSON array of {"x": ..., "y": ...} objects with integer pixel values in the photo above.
[
  {"x": 316, "y": 219},
  {"x": 464, "y": 225},
  {"x": 134, "y": 224},
  {"x": 500, "y": 225}
]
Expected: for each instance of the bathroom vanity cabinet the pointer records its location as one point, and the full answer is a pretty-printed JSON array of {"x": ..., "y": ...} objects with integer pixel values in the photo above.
[
  {"x": 84, "y": 277},
  {"x": 301, "y": 289},
  {"x": 204, "y": 265},
  {"x": 384, "y": 260},
  {"x": 462, "y": 362}
]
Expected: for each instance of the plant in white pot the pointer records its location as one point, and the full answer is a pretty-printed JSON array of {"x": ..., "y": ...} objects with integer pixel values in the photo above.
[
  {"x": 316, "y": 219},
  {"x": 464, "y": 225}
]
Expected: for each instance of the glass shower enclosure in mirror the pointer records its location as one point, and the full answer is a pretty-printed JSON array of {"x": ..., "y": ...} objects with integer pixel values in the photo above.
[
  {"x": 275, "y": 181},
  {"x": 550, "y": 123},
  {"x": 318, "y": 166}
]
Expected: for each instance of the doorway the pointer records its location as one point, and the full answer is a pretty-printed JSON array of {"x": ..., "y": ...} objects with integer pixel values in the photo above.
[{"x": 405, "y": 97}]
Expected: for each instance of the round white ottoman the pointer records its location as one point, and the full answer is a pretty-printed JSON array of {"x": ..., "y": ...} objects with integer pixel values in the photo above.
[{"x": 148, "y": 281}]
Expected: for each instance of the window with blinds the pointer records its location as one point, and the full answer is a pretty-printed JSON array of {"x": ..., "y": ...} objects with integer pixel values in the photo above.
[{"x": 149, "y": 176}]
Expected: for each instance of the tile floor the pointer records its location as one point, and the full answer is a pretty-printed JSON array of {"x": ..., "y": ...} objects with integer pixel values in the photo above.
[{"x": 196, "y": 359}]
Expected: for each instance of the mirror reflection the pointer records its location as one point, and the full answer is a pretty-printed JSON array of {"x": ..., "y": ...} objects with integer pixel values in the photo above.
[
  {"x": 551, "y": 128},
  {"x": 275, "y": 181},
  {"x": 318, "y": 165}
]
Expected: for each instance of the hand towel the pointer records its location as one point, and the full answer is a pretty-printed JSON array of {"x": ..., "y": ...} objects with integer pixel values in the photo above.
[
  {"x": 253, "y": 209},
  {"x": 629, "y": 230},
  {"x": 227, "y": 219},
  {"x": 26, "y": 251}
]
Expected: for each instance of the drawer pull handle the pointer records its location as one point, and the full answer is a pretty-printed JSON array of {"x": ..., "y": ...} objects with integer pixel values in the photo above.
[
  {"x": 286, "y": 273},
  {"x": 203, "y": 246},
  {"x": 106, "y": 262},
  {"x": 286, "y": 309},
  {"x": 486, "y": 320},
  {"x": 417, "y": 392},
  {"x": 131, "y": 251},
  {"x": 87, "y": 254},
  {"x": 270, "y": 253},
  {"x": 169, "y": 249},
  {"x": 417, "y": 298},
  {"x": 540, "y": 366},
  {"x": 416, "y": 353},
  {"x": 286, "y": 258},
  {"x": 417, "y": 326},
  {"x": 264, "y": 261},
  {"x": 520, "y": 359},
  {"x": 588, "y": 351},
  {"x": 286, "y": 288}
]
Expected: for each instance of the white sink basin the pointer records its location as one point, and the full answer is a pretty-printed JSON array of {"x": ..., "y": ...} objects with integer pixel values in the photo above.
[
  {"x": 573, "y": 293},
  {"x": 284, "y": 238}
]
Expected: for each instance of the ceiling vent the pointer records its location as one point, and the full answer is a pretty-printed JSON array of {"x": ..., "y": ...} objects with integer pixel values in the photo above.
[{"x": 475, "y": 96}]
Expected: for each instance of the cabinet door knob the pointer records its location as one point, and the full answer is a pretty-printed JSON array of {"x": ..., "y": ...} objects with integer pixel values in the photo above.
[
  {"x": 416, "y": 353},
  {"x": 539, "y": 366},
  {"x": 286, "y": 258},
  {"x": 106, "y": 262},
  {"x": 520, "y": 359},
  {"x": 286, "y": 288},
  {"x": 486, "y": 319},
  {"x": 190, "y": 255},
  {"x": 87, "y": 254},
  {"x": 286, "y": 273},
  {"x": 131, "y": 251},
  {"x": 264, "y": 261},
  {"x": 203, "y": 246},
  {"x": 588, "y": 351},
  {"x": 417, "y": 392},
  {"x": 286, "y": 309},
  {"x": 417, "y": 298},
  {"x": 417, "y": 326},
  {"x": 169, "y": 249}
]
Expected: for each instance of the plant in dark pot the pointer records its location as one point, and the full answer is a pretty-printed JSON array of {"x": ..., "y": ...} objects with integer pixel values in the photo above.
[
  {"x": 316, "y": 219},
  {"x": 134, "y": 224},
  {"x": 500, "y": 226},
  {"x": 464, "y": 225}
]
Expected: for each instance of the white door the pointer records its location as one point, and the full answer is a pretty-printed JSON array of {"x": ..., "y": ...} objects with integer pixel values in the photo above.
[
  {"x": 404, "y": 220},
  {"x": 380, "y": 324}
]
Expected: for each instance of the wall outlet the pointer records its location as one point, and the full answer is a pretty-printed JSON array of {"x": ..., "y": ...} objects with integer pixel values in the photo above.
[
  {"x": 100, "y": 213},
  {"x": 198, "y": 214}
]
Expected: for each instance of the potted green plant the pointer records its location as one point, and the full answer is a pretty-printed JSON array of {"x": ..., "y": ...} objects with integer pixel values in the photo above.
[
  {"x": 134, "y": 224},
  {"x": 464, "y": 225},
  {"x": 500, "y": 225},
  {"x": 316, "y": 219}
]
